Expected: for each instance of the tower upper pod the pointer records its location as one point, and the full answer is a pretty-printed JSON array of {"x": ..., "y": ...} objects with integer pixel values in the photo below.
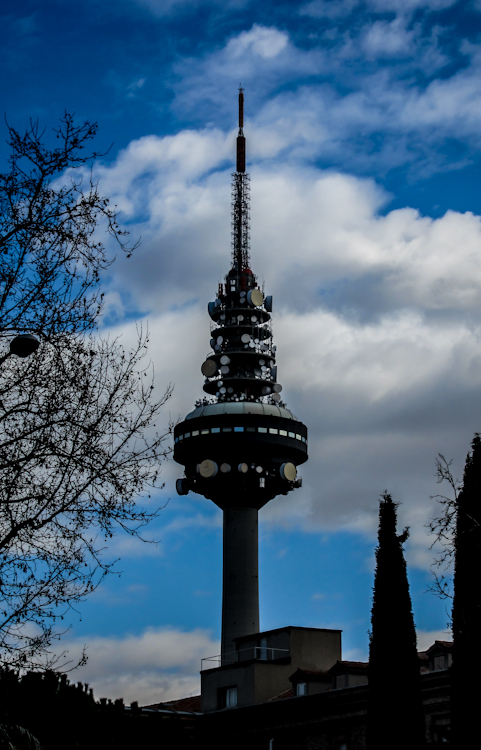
[{"x": 242, "y": 447}]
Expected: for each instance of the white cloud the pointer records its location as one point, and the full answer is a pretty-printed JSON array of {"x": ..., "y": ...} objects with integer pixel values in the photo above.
[
  {"x": 159, "y": 664},
  {"x": 376, "y": 318},
  {"x": 388, "y": 39},
  {"x": 426, "y": 638},
  {"x": 260, "y": 41}
]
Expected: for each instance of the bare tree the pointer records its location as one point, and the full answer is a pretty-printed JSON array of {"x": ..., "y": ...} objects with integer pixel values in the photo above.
[{"x": 78, "y": 442}]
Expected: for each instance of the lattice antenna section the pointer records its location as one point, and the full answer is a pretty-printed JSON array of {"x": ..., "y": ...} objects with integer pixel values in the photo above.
[{"x": 240, "y": 220}]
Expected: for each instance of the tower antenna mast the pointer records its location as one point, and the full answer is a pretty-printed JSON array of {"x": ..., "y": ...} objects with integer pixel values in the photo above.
[{"x": 241, "y": 199}]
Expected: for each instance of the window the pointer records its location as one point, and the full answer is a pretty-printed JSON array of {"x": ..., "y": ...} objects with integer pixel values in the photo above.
[
  {"x": 228, "y": 697},
  {"x": 283, "y": 433},
  {"x": 440, "y": 662},
  {"x": 298, "y": 437},
  {"x": 227, "y": 429},
  {"x": 262, "y": 429},
  {"x": 263, "y": 648},
  {"x": 215, "y": 429},
  {"x": 301, "y": 688},
  {"x": 187, "y": 435},
  {"x": 195, "y": 433},
  {"x": 238, "y": 429},
  {"x": 250, "y": 429},
  {"x": 342, "y": 681},
  {"x": 273, "y": 431},
  {"x": 292, "y": 435},
  {"x": 204, "y": 432}
]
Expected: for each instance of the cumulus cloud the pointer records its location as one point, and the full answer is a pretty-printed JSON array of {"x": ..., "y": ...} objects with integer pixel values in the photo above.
[
  {"x": 159, "y": 664},
  {"x": 332, "y": 101},
  {"x": 376, "y": 319}
]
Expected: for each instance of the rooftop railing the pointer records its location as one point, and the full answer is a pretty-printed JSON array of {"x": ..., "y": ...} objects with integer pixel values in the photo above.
[{"x": 257, "y": 653}]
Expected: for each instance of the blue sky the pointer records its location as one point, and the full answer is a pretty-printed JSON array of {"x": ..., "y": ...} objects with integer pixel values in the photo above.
[{"x": 363, "y": 125}]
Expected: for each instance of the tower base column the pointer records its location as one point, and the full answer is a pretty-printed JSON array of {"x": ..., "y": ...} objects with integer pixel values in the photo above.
[{"x": 240, "y": 584}]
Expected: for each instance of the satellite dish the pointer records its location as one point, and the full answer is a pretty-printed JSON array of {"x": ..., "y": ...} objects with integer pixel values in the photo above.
[
  {"x": 224, "y": 369},
  {"x": 262, "y": 361},
  {"x": 230, "y": 390},
  {"x": 243, "y": 468},
  {"x": 277, "y": 388},
  {"x": 225, "y": 468},
  {"x": 268, "y": 303},
  {"x": 242, "y": 294},
  {"x": 182, "y": 487},
  {"x": 276, "y": 397},
  {"x": 208, "y": 468},
  {"x": 259, "y": 469},
  {"x": 257, "y": 372},
  {"x": 255, "y": 297},
  {"x": 242, "y": 300},
  {"x": 222, "y": 390},
  {"x": 219, "y": 339},
  {"x": 245, "y": 338},
  {"x": 211, "y": 308},
  {"x": 254, "y": 319},
  {"x": 273, "y": 371},
  {"x": 288, "y": 471},
  {"x": 240, "y": 318},
  {"x": 224, "y": 360},
  {"x": 266, "y": 390},
  {"x": 208, "y": 368}
]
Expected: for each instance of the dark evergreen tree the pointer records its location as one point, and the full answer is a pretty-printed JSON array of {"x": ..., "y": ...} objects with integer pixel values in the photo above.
[
  {"x": 395, "y": 715},
  {"x": 465, "y": 687}
]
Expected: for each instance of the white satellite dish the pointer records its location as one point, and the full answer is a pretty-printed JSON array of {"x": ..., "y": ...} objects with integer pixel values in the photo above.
[
  {"x": 208, "y": 468},
  {"x": 224, "y": 369},
  {"x": 225, "y": 468},
  {"x": 245, "y": 338},
  {"x": 224, "y": 360},
  {"x": 277, "y": 388},
  {"x": 288, "y": 471},
  {"x": 243, "y": 468},
  {"x": 255, "y": 297}
]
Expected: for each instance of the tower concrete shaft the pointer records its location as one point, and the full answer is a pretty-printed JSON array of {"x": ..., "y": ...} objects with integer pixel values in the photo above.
[{"x": 240, "y": 580}]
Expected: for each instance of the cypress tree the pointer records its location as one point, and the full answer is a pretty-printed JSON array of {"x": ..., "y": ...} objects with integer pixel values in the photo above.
[
  {"x": 395, "y": 716},
  {"x": 465, "y": 686}
]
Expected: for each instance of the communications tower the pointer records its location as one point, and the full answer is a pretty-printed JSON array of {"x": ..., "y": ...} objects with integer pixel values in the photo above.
[{"x": 242, "y": 446}]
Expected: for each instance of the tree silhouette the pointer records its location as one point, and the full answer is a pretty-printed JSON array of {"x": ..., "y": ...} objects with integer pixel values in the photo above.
[
  {"x": 465, "y": 691},
  {"x": 78, "y": 442},
  {"x": 395, "y": 717}
]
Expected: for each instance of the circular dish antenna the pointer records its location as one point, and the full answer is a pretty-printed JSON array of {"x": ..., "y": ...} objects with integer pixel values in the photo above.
[
  {"x": 224, "y": 360},
  {"x": 224, "y": 369},
  {"x": 225, "y": 468},
  {"x": 208, "y": 468},
  {"x": 243, "y": 468},
  {"x": 277, "y": 387},
  {"x": 245, "y": 338},
  {"x": 255, "y": 297},
  {"x": 219, "y": 339},
  {"x": 208, "y": 368},
  {"x": 288, "y": 471},
  {"x": 276, "y": 397},
  {"x": 182, "y": 487}
]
